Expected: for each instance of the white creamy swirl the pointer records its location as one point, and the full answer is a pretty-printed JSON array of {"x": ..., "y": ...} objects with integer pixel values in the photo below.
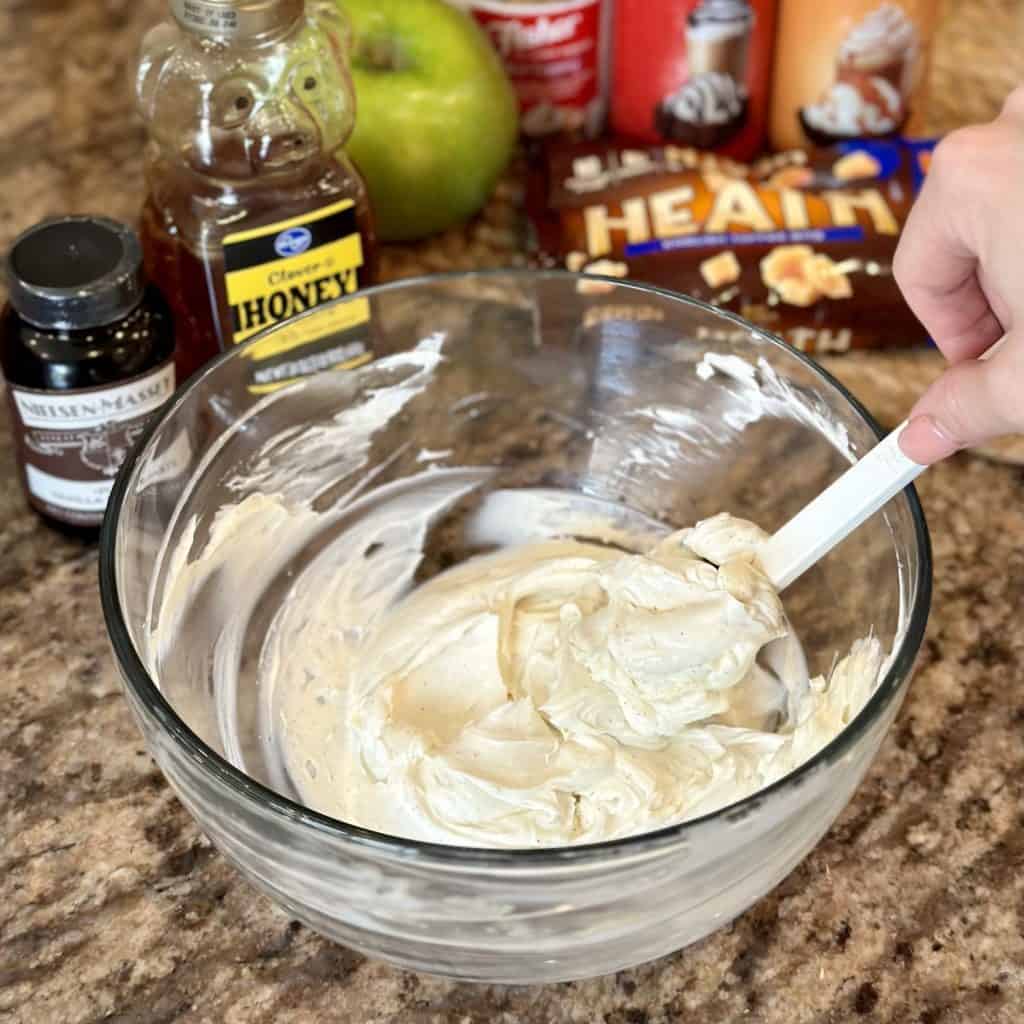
[
  {"x": 551, "y": 693},
  {"x": 708, "y": 98},
  {"x": 883, "y": 36}
]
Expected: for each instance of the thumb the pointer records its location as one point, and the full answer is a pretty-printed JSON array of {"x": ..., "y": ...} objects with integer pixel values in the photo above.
[{"x": 971, "y": 402}]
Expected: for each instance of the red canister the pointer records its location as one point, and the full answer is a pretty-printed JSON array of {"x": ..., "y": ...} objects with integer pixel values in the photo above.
[{"x": 693, "y": 72}]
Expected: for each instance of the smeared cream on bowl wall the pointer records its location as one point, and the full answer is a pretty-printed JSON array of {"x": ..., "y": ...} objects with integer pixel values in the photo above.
[{"x": 552, "y": 692}]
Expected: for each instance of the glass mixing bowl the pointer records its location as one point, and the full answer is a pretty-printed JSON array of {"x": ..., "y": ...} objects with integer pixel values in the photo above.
[{"x": 528, "y": 404}]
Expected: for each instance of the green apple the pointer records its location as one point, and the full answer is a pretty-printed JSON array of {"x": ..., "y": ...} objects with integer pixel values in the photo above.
[{"x": 435, "y": 113}]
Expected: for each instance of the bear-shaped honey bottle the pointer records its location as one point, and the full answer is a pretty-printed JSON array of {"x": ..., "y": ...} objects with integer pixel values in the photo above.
[{"x": 254, "y": 213}]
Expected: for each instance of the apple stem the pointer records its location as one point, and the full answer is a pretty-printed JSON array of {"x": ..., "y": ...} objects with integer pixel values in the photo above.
[{"x": 381, "y": 54}]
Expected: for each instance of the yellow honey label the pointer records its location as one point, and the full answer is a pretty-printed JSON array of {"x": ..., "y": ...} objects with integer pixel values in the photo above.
[
  {"x": 265, "y": 383},
  {"x": 279, "y": 271},
  {"x": 330, "y": 320}
]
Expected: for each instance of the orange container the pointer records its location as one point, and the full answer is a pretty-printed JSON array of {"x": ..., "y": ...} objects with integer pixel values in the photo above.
[{"x": 849, "y": 69}]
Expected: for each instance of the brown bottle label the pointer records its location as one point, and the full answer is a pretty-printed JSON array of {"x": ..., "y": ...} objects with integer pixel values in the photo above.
[
  {"x": 72, "y": 443},
  {"x": 276, "y": 272}
]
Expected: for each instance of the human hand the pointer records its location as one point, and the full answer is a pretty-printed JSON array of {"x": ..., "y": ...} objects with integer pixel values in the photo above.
[{"x": 960, "y": 265}]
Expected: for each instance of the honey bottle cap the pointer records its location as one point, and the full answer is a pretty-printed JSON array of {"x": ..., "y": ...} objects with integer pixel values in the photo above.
[{"x": 235, "y": 19}]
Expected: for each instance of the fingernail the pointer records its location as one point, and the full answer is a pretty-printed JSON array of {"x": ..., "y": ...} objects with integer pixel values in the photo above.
[{"x": 926, "y": 440}]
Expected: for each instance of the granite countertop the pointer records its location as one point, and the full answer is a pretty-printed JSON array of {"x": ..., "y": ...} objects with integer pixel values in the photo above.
[{"x": 115, "y": 908}]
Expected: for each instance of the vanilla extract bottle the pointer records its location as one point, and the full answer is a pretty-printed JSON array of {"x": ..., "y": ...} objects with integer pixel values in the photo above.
[
  {"x": 86, "y": 348},
  {"x": 254, "y": 213}
]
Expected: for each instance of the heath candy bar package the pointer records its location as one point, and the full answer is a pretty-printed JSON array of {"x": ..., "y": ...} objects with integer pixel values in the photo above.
[{"x": 799, "y": 243}]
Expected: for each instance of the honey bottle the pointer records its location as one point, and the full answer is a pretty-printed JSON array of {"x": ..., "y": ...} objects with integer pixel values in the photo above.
[{"x": 254, "y": 213}]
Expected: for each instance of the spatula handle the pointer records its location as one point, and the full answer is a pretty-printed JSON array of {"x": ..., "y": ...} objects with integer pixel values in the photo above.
[{"x": 860, "y": 492}]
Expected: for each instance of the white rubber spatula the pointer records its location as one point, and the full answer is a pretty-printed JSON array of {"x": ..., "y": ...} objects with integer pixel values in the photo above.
[{"x": 835, "y": 513}]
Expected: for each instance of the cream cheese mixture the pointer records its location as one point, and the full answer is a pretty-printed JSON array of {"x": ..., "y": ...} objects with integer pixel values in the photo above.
[
  {"x": 556, "y": 692},
  {"x": 552, "y": 691}
]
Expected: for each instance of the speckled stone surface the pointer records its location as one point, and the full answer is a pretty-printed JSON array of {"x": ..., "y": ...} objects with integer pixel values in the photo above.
[{"x": 113, "y": 907}]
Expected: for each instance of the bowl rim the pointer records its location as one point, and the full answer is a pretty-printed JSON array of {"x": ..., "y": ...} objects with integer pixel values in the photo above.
[{"x": 144, "y": 688}]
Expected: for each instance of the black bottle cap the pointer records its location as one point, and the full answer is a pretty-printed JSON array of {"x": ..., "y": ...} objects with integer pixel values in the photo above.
[{"x": 69, "y": 273}]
